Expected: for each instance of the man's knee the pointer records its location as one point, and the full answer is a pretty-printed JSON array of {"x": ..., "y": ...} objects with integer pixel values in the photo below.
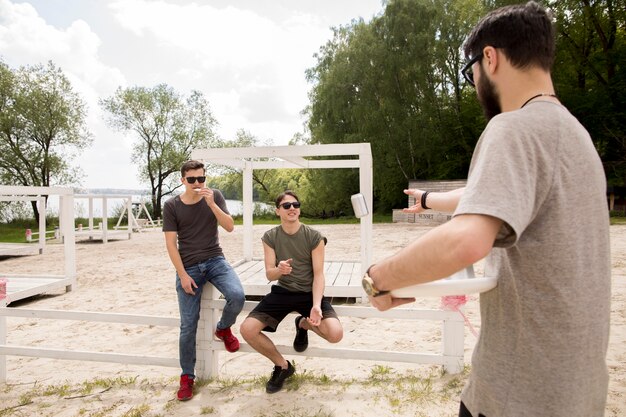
[
  {"x": 237, "y": 299},
  {"x": 248, "y": 329},
  {"x": 334, "y": 332}
]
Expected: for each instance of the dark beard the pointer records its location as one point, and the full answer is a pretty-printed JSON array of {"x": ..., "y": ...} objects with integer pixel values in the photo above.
[{"x": 488, "y": 96}]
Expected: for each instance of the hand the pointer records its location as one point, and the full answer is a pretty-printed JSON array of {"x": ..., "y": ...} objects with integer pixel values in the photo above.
[
  {"x": 315, "y": 317},
  {"x": 284, "y": 267},
  {"x": 188, "y": 284},
  {"x": 417, "y": 207},
  {"x": 207, "y": 193},
  {"x": 387, "y": 301}
]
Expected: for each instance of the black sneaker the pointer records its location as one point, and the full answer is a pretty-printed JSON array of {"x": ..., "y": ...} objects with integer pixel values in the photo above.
[
  {"x": 278, "y": 377},
  {"x": 301, "y": 342}
]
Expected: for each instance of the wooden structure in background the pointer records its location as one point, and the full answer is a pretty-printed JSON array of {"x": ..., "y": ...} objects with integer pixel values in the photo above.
[
  {"x": 343, "y": 277},
  {"x": 26, "y": 285}
]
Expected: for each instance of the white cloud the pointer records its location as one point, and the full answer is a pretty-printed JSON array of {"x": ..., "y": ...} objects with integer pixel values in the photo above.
[{"x": 249, "y": 61}]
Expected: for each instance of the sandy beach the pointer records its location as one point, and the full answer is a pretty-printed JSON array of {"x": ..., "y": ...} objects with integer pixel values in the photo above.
[{"x": 136, "y": 276}]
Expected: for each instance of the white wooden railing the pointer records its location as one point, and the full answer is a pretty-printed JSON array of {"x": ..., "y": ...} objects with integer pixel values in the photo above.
[{"x": 451, "y": 358}]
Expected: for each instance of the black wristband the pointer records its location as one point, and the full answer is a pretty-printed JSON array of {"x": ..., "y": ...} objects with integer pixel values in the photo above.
[{"x": 423, "y": 200}]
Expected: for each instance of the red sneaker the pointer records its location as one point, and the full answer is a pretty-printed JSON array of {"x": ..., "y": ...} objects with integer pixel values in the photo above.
[
  {"x": 230, "y": 341},
  {"x": 185, "y": 392}
]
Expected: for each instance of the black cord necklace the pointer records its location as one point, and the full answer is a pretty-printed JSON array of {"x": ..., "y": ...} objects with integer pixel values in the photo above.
[{"x": 538, "y": 95}]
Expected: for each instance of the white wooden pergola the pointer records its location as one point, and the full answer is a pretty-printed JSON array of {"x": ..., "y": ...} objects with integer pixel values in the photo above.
[
  {"x": 343, "y": 279},
  {"x": 26, "y": 285}
]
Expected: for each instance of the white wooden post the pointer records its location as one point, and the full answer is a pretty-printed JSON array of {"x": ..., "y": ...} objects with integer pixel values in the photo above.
[
  {"x": 207, "y": 359},
  {"x": 66, "y": 218},
  {"x": 41, "y": 206},
  {"x": 366, "y": 188},
  {"x": 105, "y": 221},
  {"x": 131, "y": 217},
  {"x": 247, "y": 211},
  {"x": 91, "y": 225},
  {"x": 454, "y": 344},
  {"x": 3, "y": 341}
]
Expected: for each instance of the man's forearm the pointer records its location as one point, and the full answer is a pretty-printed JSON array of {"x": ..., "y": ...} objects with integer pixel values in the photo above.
[
  {"x": 318, "y": 290},
  {"x": 439, "y": 253}
]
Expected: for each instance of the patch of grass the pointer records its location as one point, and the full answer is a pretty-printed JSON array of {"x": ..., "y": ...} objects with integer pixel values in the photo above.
[
  {"x": 207, "y": 410},
  {"x": 88, "y": 386},
  {"x": 62, "y": 390},
  {"x": 617, "y": 220},
  {"x": 137, "y": 411},
  {"x": 297, "y": 412}
]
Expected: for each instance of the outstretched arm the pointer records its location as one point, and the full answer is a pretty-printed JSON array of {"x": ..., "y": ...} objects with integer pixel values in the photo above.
[
  {"x": 445, "y": 202},
  {"x": 442, "y": 251}
]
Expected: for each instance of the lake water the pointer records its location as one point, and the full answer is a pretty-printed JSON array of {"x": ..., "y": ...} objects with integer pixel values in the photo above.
[{"x": 114, "y": 206}]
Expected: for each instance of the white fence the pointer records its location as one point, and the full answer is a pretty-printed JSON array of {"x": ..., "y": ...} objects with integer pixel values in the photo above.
[{"x": 208, "y": 349}]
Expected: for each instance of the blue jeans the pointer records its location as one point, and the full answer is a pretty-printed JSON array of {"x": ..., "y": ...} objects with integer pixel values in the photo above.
[{"x": 219, "y": 273}]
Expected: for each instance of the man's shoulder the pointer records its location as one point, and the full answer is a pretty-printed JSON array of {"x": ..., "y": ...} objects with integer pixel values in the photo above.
[
  {"x": 272, "y": 232},
  {"x": 172, "y": 200},
  {"x": 313, "y": 234}
]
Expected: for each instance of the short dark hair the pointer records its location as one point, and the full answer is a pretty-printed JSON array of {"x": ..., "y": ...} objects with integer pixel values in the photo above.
[
  {"x": 285, "y": 193},
  {"x": 190, "y": 165},
  {"x": 524, "y": 32}
]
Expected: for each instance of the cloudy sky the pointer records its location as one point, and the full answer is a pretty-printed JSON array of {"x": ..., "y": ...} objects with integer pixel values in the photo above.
[{"x": 248, "y": 57}]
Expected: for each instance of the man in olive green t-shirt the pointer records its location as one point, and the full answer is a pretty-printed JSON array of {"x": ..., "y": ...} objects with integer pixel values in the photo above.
[{"x": 294, "y": 257}]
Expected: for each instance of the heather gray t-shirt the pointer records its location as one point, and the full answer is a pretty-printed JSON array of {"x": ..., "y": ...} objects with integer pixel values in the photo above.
[
  {"x": 196, "y": 226},
  {"x": 298, "y": 247},
  {"x": 545, "y": 327}
]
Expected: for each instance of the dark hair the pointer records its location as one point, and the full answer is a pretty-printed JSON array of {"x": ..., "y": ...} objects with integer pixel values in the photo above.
[
  {"x": 190, "y": 165},
  {"x": 286, "y": 193},
  {"x": 524, "y": 32}
]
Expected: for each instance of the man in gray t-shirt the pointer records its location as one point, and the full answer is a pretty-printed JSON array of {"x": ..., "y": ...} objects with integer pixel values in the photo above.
[
  {"x": 535, "y": 205},
  {"x": 190, "y": 223}
]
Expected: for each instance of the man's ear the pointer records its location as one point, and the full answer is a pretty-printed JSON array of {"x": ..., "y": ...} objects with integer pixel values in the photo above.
[{"x": 491, "y": 59}]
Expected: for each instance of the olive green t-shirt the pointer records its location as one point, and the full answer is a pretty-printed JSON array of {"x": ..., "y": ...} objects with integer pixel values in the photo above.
[
  {"x": 298, "y": 247},
  {"x": 545, "y": 327}
]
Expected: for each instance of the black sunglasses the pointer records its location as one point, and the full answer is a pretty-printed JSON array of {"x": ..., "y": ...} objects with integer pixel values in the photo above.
[
  {"x": 287, "y": 206},
  {"x": 468, "y": 72},
  {"x": 192, "y": 180}
]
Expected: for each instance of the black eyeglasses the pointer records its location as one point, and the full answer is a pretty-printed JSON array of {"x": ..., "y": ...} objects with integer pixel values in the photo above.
[
  {"x": 192, "y": 180},
  {"x": 287, "y": 206},
  {"x": 467, "y": 70}
]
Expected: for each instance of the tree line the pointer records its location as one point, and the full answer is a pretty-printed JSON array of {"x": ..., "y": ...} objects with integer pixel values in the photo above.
[{"x": 393, "y": 82}]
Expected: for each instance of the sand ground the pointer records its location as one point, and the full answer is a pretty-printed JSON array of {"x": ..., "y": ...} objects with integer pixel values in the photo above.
[{"x": 135, "y": 276}]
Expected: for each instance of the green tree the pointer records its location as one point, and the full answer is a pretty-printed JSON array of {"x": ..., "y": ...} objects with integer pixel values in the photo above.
[
  {"x": 42, "y": 125},
  {"x": 394, "y": 82},
  {"x": 590, "y": 74},
  {"x": 168, "y": 127}
]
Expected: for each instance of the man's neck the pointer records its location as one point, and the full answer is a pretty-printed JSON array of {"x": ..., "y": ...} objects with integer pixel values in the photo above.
[
  {"x": 291, "y": 228},
  {"x": 190, "y": 197},
  {"x": 522, "y": 85}
]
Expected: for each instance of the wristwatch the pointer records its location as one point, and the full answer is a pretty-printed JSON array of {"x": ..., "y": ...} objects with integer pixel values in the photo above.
[{"x": 369, "y": 287}]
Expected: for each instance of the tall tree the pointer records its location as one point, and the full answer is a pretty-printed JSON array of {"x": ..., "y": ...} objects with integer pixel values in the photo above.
[
  {"x": 394, "y": 82},
  {"x": 590, "y": 74},
  {"x": 168, "y": 127},
  {"x": 42, "y": 124}
]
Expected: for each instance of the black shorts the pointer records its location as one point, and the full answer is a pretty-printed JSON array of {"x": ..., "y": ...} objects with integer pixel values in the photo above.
[{"x": 275, "y": 306}]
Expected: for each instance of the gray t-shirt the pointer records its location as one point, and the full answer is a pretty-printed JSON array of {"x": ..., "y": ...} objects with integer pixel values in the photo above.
[
  {"x": 545, "y": 327},
  {"x": 298, "y": 247},
  {"x": 196, "y": 226}
]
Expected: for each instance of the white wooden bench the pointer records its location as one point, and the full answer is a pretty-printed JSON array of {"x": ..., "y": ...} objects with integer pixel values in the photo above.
[{"x": 343, "y": 278}]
